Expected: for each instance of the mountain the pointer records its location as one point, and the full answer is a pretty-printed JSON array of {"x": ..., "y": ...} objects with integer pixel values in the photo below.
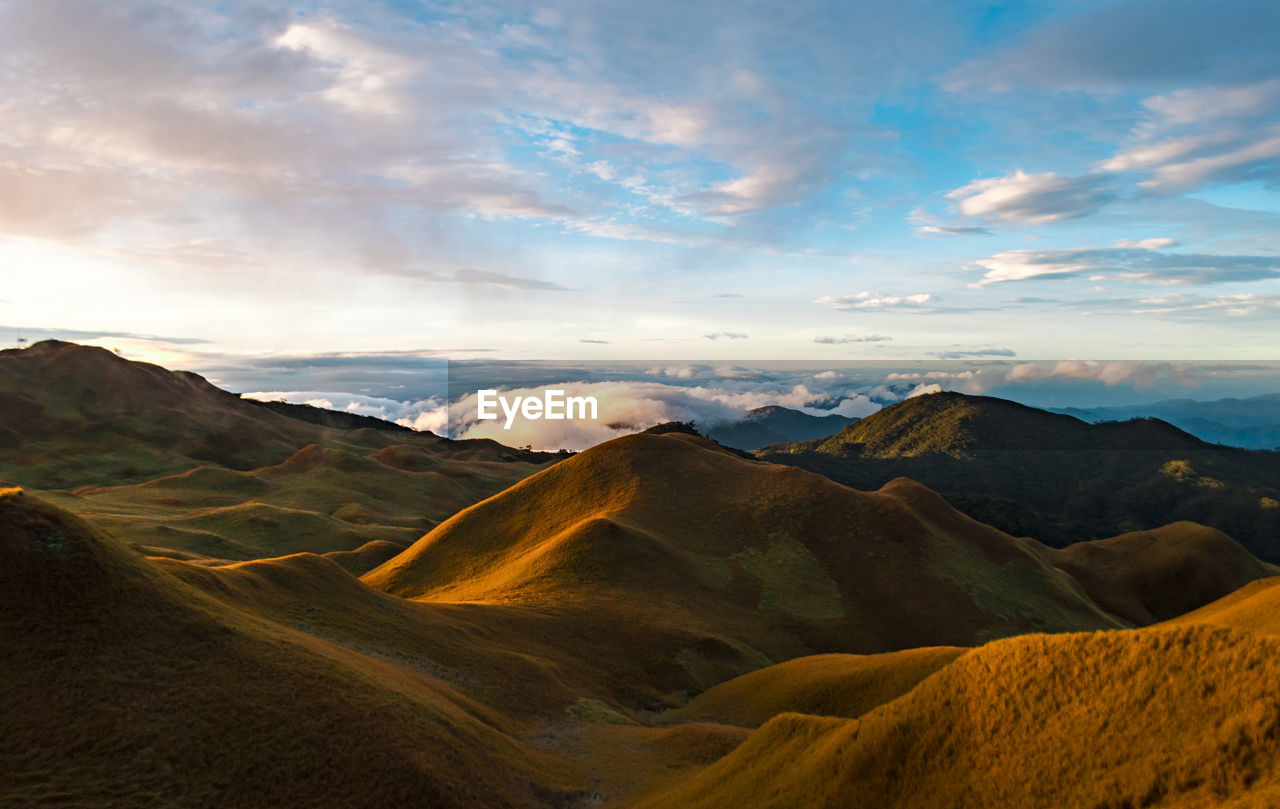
[
  {"x": 123, "y": 686},
  {"x": 187, "y": 467},
  {"x": 1052, "y": 476},
  {"x": 673, "y": 530},
  {"x": 1150, "y": 576},
  {"x": 1182, "y": 716},
  {"x": 776, "y": 425},
  {"x": 1253, "y": 423},
  {"x": 73, "y": 415}
]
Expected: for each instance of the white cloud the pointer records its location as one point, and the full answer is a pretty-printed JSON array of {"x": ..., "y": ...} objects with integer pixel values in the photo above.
[
  {"x": 424, "y": 414},
  {"x": 872, "y": 301},
  {"x": 1157, "y": 243},
  {"x": 1032, "y": 198},
  {"x": 851, "y": 338},
  {"x": 627, "y": 407},
  {"x": 1143, "y": 264}
]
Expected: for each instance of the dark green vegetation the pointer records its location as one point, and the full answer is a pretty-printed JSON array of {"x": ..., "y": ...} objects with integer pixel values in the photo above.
[
  {"x": 776, "y": 425},
  {"x": 1051, "y": 476}
]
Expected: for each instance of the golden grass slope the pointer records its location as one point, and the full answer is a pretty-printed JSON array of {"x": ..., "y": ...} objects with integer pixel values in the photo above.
[
  {"x": 124, "y": 687},
  {"x": 1150, "y": 576},
  {"x": 1184, "y": 717},
  {"x": 319, "y": 500},
  {"x": 673, "y": 529},
  {"x": 1255, "y": 607},
  {"x": 823, "y": 685}
]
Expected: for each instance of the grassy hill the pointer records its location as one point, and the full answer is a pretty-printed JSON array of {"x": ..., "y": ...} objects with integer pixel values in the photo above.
[
  {"x": 1051, "y": 476},
  {"x": 1181, "y": 717},
  {"x": 125, "y": 687},
  {"x": 1255, "y": 607},
  {"x": 672, "y": 529},
  {"x": 823, "y": 685},
  {"x": 1150, "y": 576},
  {"x": 186, "y": 467}
]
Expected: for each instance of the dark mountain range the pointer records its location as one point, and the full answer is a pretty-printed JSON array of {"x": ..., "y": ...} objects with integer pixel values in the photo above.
[
  {"x": 776, "y": 425},
  {"x": 1252, "y": 423},
  {"x": 1052, "y": 476}
]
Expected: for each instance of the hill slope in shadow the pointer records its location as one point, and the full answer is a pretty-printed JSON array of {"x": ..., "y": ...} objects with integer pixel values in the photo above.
[
  {"x": 123, "y": 686},
  {"x": 1051, "y": 476}
]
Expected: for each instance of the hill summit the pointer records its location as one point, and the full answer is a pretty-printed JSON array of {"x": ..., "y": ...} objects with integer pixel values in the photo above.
[
  {"x": 1051, "y": 476},
  {"x": 683, "y": 531}
]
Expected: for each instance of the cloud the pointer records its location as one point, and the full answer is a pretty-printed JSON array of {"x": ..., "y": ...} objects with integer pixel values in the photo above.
[
  {"x": 1139, "y": 374},
  {"x": 72, "y": 335},
  {"x": 629, "y": 406},
  {"x": 925, "y": 390},
  {"x": 1199, "y": 136},
  {"x": 1191, "y": 306},
  {"x": 1030, "y": 199},
  {"x": 875, "y": 302},
  {"x": 852, "y": 338},
  {"x": 1145, "y": 43},
  {"x": 1146, "y": 244},
  {"x": 469, "y": 276},
  {"x": 951, "y": 230},
  {"x": 599, "y": 342},
  {"x": 427, "y": 414},
  {"x": 1130, "y": 264},
  {"x": 979, "y": 352},
  {"x": 727, "y": 335}
]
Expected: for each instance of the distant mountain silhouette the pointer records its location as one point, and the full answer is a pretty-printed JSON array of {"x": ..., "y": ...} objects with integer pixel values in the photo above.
[
  {"x": 1052, "y": 476},
  {"x": 776, "y": 425},
  {"x": 1252, "y": 423}
]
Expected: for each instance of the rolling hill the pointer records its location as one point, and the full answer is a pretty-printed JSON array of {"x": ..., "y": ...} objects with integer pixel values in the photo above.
[
  {"x": 822, "y": 685},
  {"x": 1182, "y": 717},
  {"x": 189, "y": 468},
  {"x": 125, "y": 687},
  {"x": 1149, "y": 576},
  {"x": 1051, "y": 476},
  {"x": 671, "y": 529},
  {"x": 1255, "y": 607}
]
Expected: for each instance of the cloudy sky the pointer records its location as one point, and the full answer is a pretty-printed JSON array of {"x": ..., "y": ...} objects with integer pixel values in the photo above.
[{"x": 871, "y": 180}]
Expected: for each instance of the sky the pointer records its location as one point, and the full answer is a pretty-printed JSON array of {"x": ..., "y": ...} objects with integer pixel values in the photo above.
[{"x": 216, "y": 184}]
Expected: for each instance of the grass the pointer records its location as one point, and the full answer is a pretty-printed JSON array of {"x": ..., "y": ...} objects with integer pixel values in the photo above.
[
  {"x": 122, "y": 686},
  {"x": 1171, "y": 717}
]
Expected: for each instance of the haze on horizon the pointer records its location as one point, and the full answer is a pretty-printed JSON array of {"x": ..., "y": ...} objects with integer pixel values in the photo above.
[{"x": 200, "y": 182}]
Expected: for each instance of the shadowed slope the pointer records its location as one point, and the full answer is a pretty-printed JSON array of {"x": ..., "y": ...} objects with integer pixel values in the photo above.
[
  {"x": 1054, "y": 477},
  {"x": 1154, "y": 717},
  {"x": 121, "y": 686},
  {"x": 824, "y": 685},
  {"x": 672, "y": 527},
  {"x": 1149, "y": 576}
]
